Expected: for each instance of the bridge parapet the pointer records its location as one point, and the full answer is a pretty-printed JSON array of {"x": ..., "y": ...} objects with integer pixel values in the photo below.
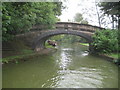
[
  {"x": 77, "y": 26},
  {"x": 70, "y": 26}
]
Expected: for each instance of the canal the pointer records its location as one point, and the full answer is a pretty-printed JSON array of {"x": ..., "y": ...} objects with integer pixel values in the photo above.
[{"x": 70, "y": 66}]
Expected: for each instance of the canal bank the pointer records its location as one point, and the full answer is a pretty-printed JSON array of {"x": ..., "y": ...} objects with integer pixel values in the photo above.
[
  {"x": 109, "y": 57},
  {"x": 16, "y": 51}
]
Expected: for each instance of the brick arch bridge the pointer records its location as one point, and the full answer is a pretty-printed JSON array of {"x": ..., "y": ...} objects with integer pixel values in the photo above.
[
  {"x": 39, "y": 37},
  {"x": 39, "y": 41}
]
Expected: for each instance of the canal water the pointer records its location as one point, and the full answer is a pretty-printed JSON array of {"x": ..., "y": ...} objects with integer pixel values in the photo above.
[{"x": 69, "y": 67}]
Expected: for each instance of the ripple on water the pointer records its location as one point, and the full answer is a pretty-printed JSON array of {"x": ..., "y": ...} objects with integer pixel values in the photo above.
[
  {"x": 76, "y": 79},
  {"x": 67, "y": 68}
]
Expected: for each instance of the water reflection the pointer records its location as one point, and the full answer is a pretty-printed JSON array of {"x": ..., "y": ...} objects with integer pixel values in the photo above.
[
  {"x": 69, "y": 67},
  {"x": 85, "y": 53},
  {"x": 81, "y": 77},
  {"x": 65, "y": 58},
  {"x": 74, "y": 78},
  {"x": 78, "y": 79}
]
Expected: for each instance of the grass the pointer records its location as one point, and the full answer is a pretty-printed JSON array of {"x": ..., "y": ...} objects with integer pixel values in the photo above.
[
  {"x": 84, "y": 44},
  {"x": 114, "y": 55},
  {"x": 15, "y": 58},
  {"x": 20, "y": 52}
]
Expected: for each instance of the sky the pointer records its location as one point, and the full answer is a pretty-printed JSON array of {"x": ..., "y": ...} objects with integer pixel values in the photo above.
[{"x": 86, "y": 7}]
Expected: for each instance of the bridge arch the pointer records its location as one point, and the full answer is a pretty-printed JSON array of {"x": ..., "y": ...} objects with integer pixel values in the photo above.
[{"x": 39, "y": 41}]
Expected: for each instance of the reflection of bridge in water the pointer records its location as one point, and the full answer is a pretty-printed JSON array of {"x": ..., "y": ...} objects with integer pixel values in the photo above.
[{"x": 37, "y": 38}]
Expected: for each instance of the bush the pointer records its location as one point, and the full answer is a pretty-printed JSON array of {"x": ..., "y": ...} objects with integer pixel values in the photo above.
[{"x": 105, "y": 41}]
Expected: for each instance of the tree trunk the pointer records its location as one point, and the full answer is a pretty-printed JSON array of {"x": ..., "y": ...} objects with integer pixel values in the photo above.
[
  {"x": 119, "y": 22},
  {"x": 112, "y": 22},
  {"x": 98, "y": 15}
]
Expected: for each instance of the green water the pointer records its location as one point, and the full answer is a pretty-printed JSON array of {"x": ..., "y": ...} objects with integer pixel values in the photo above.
[{"x": 69, "y": 67}]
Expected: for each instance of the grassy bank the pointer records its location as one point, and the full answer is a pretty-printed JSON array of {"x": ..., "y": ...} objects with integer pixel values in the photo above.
[
  {"x": 27, "y": 56},
  {"x": 24, "y": 53},
  {"x": 114, "y": 55},
  {"x": 16, "y": 50},
  {"x": 84, "y": 44}
]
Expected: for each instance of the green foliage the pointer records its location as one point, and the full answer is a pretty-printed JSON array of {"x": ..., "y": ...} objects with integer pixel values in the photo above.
[
  {"x": 105, "y": 41},
  {"x": 57, "y": 37},
  {"x": 112, "y": 9},
  {"x": 19, "y": 17},
  {"x": 66, "y": 38},
  {"x": 119, "y": 41}
]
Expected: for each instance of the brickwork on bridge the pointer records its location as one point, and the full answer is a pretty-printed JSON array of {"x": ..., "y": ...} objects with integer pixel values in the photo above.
[
  {"x": 37, "y": 39},
  {"x": 76, "y": 26},
  {"x": 70, "y": 26},
  {"x": 40, "y": 40}
]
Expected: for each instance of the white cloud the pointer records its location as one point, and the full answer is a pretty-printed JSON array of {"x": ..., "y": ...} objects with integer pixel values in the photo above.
[
  {"x": 85, "y": 7},
  {"x": 77, "y": 6}
]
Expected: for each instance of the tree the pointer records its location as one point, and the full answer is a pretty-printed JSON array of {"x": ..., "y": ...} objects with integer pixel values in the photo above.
[
  {"x": 112, "y": 9},
  {"x": 19, "y": 17},
  {"x": 99, "y": 18},
  {"x": 79, "y": 18},
  {"x": 94, "y": 15}
]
